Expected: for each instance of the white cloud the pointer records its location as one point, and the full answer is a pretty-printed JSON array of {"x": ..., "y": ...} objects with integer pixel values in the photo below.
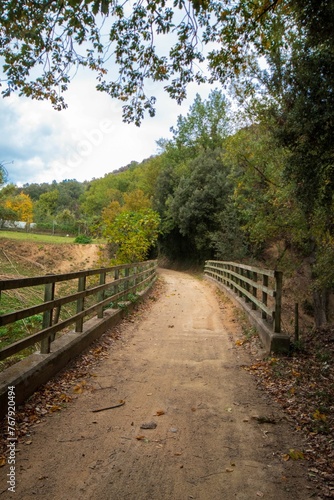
[{"x": 86, "y": 140}]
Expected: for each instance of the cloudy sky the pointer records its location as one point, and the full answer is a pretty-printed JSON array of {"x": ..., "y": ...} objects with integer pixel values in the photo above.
[{"x": 85, "y": 141}]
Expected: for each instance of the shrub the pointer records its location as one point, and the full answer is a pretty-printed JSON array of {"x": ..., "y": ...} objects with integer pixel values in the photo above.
[{"x": 83, "y": 239}]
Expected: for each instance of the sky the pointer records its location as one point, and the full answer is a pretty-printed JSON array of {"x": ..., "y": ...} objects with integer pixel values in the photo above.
[{"x": 85, "y": 141}]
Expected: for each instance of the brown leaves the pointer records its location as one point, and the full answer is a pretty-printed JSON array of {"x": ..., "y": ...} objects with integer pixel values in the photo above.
[
  {"x": 80, "y": 387},
  {"x": 303, "y": 384}
]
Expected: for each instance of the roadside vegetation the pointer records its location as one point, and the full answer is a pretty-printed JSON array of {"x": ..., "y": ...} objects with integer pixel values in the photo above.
[{"x": 36, "y": 237}]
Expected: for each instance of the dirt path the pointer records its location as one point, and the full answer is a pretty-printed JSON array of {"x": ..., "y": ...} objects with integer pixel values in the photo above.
[{"x": 179, "y": 360}]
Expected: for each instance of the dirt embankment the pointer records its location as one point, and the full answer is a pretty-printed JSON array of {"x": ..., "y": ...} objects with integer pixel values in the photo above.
[
  {"x": 179, "y": 416},
  {"x": 43, "y": 258}
]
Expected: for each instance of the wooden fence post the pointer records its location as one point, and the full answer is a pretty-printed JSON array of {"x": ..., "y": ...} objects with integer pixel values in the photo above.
[
  {"x": 254, "y": 291},
  {"x": 126, "y": 275},
  {"x": 80, "y": 303},
  {"x": 116, "y": 277},
  {"x": 49, "y": 292},
  {"x": 265, "y": 282},
  {"x": 101, "y": 294}
]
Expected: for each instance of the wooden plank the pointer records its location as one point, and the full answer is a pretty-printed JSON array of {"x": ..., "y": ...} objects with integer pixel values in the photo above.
[
  {"x": 11, "y": 284},
  {"x": 255, "y": 284},
  {"x": 253, "y": 299},
  {"x": 266, "y": 272},
  {"x": 8, "y": 318},
  {"x": 52, "y": 330}
]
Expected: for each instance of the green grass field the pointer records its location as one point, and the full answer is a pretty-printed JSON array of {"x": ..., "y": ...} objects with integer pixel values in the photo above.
[{"x": 37, "y": 238}]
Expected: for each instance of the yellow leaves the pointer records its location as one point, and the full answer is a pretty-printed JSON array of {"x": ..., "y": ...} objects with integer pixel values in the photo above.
[
  {"x": 319, "y": 416},
  {"x": 79, "y": 388},
  {"x": 295, "y": 373},
  {"x": 2, "y": 461},
  {"x": 22, "y": 205},
  {"x": 273, "y": 361},
  {"x": 54, "y": 408},
  {"x": 65, "y": 398},
  {"x": 239, "y": 342},
  {"x": 293, "y": 455}
]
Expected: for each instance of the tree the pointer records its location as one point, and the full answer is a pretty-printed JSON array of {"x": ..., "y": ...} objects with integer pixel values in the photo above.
[
  {"x": 43, "y": 42},
  {"x": 206, "y": 124},
  {"x": 7, "y": 214},
  {"x": 197, "y": 200},
  {"x": 22, "y": 206},
  {"x": 132, "y": 234},
  {"x": 305, "y": 125},
  {"x": 265, "y": 201}
]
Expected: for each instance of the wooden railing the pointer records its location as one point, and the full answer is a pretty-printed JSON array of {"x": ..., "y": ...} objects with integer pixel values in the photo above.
[
  {"x": 115, "y": 285},
  {"x": 261, "y": 288}
]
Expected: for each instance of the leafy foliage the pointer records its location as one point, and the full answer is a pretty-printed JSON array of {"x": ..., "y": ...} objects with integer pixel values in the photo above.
[
  {"x": 132, "y": 234},
  {"x": 83, "y": 239},
  {"x": 21, "y": 205},
  {"x": 155, "y": 41},
  {"x": 198, "y": 198}
]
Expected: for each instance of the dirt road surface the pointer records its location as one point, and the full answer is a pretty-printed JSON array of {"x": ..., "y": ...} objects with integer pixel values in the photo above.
[{"x": 178, "y": 367}]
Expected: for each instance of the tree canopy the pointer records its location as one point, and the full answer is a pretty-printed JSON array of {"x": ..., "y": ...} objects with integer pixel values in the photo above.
[{"x": 43, "y": 43}]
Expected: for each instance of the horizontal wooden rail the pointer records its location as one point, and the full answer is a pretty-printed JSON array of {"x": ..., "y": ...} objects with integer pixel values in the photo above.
[
  {"x": 113, "y": 289},
  {"x": 261, "y": 288}
]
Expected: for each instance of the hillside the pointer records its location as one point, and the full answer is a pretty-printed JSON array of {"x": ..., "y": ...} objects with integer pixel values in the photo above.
[{"x": 34, "y": 259}]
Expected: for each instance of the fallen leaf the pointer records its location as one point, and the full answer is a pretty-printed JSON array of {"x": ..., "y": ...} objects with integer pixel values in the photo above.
[
  {"x": 140, "y": 438},
  {"x": 159, "y": 413},
  {"x": 2, "y": 461},
  {"x": 296, "y": 454},
  {"x": 319, "y": 416},
  {"x": 79, "y": 388},
  {"x": 55, "y": 408}
]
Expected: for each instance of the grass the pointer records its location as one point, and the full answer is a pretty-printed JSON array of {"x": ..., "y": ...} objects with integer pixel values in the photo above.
[{"x": 39, "y": 238}]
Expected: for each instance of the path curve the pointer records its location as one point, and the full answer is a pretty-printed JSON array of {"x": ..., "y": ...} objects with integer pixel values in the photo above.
[{"x": 179, "y": 367}]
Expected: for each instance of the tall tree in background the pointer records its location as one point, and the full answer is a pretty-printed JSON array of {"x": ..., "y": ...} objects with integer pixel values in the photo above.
[{"x": 192, "y": 186}]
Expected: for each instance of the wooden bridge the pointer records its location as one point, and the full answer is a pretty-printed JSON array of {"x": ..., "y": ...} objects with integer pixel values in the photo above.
[{"x": 97, "y": 299}]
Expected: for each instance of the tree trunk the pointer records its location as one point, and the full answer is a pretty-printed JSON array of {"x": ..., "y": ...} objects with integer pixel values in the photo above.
[{"x": 320, "y": 303}]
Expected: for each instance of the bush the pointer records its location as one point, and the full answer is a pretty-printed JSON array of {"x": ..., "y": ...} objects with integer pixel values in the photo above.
[{"x": 83, "y": 239}]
